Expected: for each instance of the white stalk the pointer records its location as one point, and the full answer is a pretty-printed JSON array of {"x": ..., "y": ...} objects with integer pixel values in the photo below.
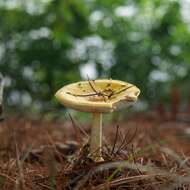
[{"x": 96, "y": 138}]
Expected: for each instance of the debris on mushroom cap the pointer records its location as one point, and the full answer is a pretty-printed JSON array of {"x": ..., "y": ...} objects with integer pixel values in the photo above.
[{"x": 102, "y": 95}]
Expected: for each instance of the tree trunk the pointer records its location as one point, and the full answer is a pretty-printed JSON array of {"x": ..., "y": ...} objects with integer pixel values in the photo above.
[
  {"x": 175, "y": 102},
  {"x": 1, "y": 97}
]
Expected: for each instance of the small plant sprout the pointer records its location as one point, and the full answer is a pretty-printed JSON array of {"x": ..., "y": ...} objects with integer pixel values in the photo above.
[{"x": 97, "y": 97}]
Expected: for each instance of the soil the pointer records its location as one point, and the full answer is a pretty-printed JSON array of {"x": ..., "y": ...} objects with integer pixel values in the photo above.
[{"x": 141, "y": 152}]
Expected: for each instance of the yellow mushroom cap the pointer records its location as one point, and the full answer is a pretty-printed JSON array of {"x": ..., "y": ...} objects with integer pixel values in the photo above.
[{"x": 102, "y": 95}]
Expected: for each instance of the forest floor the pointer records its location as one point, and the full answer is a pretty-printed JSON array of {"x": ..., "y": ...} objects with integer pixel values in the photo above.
[{"x": 143, "y": 152}]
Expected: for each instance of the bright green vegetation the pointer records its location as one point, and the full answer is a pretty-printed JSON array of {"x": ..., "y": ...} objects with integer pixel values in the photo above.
[{"x": 44, "y": 45}]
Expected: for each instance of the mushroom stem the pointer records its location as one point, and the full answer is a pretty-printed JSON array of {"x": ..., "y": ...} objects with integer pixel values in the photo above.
[{"x": 96, "y": 138}]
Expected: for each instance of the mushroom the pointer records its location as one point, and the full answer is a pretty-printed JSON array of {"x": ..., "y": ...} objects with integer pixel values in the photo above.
[{"x": 97, "y": 96}]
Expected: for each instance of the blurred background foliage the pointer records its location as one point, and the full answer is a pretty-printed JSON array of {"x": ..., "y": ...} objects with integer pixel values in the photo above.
[{"x": 45, "y": 44}]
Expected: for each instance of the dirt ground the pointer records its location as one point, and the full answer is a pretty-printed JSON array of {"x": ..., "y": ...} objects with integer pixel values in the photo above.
[{"x": 147, "y": 152}]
